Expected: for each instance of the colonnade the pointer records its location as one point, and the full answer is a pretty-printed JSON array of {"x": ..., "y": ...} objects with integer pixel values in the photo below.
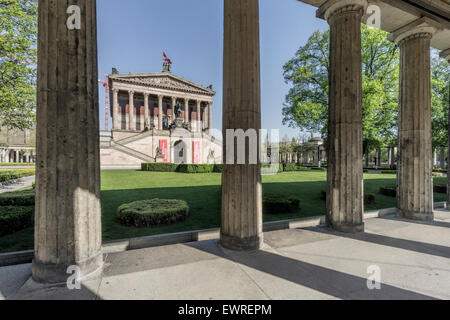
[
  {"x": 68, "y": 223},
  {"x": 199, "y": 112}
]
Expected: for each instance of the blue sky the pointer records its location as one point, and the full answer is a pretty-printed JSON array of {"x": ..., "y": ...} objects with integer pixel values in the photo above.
[{"x": 132, "y": 34}]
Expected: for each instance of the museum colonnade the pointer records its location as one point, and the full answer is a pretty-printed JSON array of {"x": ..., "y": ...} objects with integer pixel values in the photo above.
[
  {"x": 128, "y": 116},
  {"x": 68, "y": 213}
]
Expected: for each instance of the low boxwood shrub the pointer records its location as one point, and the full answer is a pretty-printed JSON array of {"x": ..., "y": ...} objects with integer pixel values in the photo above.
[
  {"x": 323, "y": 195},
  {"x": 318, "y": 169},
  {"x": 279, "y": 203},
  {"x": 159, "y": 167},
  {"x": 150, "y": 213},
  {"x": 290, "y": 167},
  {"x": 369, "y": 199},
  {"x": 389, "y": 171},
  {"x": 14, "y": 219},
  {"x": 195, "y": 168},
  {"x": 18, "y": 198},
  {"x": 389, "y": 191},
  {"x": 218, "y": 168},
  {"x": 440, "y": 188}
]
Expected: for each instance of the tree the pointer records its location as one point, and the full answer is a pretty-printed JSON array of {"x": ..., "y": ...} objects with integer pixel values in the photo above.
[
  {"x": 306, "y": 105},
  {"x": 440, "y": 82},
  {"x": 18, "y": 55}
]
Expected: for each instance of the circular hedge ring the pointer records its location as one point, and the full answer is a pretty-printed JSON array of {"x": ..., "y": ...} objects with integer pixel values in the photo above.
[{"x": 150, "y": 213}]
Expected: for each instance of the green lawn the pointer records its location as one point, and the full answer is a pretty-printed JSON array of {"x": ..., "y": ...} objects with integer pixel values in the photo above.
[{"x": 202, "y": 192}]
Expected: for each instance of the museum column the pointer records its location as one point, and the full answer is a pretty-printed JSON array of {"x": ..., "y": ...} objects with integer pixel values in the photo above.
[
  {"x": 131, "y": 116},
  {"x": 415, "y": 159},
  {"x": 345, "y": 164},
  {"x": 116, "y": 119},
  {"x": 446, "y": 55},
  {"x": 186, "y": 111},
  {"x": 210, "y": 118},
  {"x": 241, "y": 183},
  {"x": 146, "y": 112},
  {"x": 160, "y": 112},
  {"x": 67, "y": 211},
  {"x": 199, "y": 116}
]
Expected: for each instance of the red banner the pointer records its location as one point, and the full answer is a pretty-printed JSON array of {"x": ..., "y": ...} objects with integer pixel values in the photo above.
[
  {"x": 196, "y": 152},
  {"x": 163, "y": 147}
]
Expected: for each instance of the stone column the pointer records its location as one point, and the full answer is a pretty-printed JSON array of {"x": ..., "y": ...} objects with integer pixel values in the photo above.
[
  {"x": 116, "y": 115},
  {"x": 160, "y": 112},
  {"x": 415, "y": 165},
  {"x": 446, "y": 55},
  {"x": 345, "y": 164},
  {"x": 131, "y": 117},
  {"x": 67, "y": 210},
  {"x": 241, "y": 184},
  {"x": 210, "y": 118},
  {"x": 186, "y": 111},
  {"x": 174, "y": 102},
  {"x": 146, "y": 110},
  {"x": 199, "y": 116}
]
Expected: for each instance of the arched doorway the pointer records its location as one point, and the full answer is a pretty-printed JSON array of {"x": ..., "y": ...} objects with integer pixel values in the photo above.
[{"x": 180, "y": 152}]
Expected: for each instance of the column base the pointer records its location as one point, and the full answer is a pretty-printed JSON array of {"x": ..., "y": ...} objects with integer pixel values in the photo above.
[
  {"x": 57, "y": 273},
  {"x": 240, "y": 244},
  {"x": 419, "y": 216},
  {"x": 346, "y": 227}
]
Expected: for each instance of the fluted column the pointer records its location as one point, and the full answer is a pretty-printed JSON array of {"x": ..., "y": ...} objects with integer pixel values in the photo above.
[
  {"x": 345, "y": 165},
  {"x": 67, "y": 211},
  {"x": 241, "y": 184},
  {"x": 210, "y": 118},
  {"x": 199, "y": 116},
  {"x": 146, "y": 110},
  {"x": 116, "y": 116},
  {"x": 174, "y": 102},
  {"x": 415, "y": 165},
  {"x": 160, "y": 112},
  {"x": 186, "y": 111},
  {"x": 446, "y": 55},
  {"x": 131, "y": 116}
]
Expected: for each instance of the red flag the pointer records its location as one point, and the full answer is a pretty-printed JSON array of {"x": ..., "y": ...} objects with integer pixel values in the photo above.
[{"x": 166, "y": 59}]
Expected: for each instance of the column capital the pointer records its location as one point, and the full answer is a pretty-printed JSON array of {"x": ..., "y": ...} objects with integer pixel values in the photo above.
[
  {"x": 446, "y": 55},
  {"x": 332, "y": 7},
  {"x": 146, "y": 94},
  {"x": 131, "y": 92},
  {"x": 115, "y": 90},
  {"x": 423, "y": 27}
]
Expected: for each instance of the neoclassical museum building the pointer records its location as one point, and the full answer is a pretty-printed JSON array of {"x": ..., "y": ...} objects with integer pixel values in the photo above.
[{"x": 159, "y": 117}]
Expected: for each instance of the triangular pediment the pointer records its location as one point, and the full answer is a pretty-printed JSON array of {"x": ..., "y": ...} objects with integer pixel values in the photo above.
[{"x": 163, "y": 80}]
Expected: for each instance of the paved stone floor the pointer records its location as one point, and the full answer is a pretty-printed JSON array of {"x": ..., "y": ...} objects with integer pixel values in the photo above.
[{"x": 313, "y": 263}]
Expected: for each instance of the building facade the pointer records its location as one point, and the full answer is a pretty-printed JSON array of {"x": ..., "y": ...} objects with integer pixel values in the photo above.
[
  {"x": 159, "y": 117},
  {"x": 17, "y": 146}
]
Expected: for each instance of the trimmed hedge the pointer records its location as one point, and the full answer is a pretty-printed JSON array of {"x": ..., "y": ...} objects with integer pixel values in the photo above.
[
  {"x": 195, "y": 168},
  {"x": 440, "y": 188},
  {"x": 159, "y": 167},
  {"x": 14, "y": 219},
  {"x": 18, "y": 198},
  {"x": 389, "y": 191},
  {"x": 389, "y": 171},
  {"x": 278, "y": 203},
  {"x": 323, "y": 195},
  {"x": 290, "y": 167},
  {"x": 369, "y": 199},
  {"x": 183, "y": 168},
  {"x": 8, "y": 175},
  {"x": 150, "y": 213}
]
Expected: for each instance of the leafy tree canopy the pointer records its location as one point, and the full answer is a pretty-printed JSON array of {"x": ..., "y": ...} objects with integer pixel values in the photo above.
[
  {"x": 307, "y": 101},
  {"x": 18, "y": 55}
]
